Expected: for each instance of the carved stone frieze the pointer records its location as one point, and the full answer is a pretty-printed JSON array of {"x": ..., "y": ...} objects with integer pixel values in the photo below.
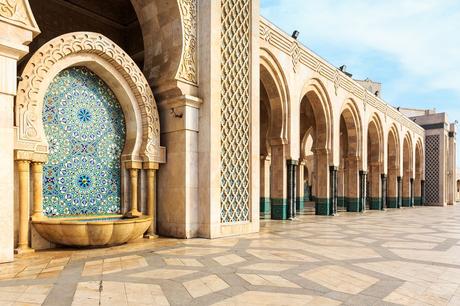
[
  {"x": 18, "y": 12},
  {"x": 188, "y": 66}
]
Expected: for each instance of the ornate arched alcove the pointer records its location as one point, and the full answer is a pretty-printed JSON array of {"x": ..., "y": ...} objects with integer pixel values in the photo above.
[{"x": 50, "y": 113}]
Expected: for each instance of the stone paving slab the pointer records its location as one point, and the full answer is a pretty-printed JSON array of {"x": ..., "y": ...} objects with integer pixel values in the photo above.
[{"x": 396, "y": 257}]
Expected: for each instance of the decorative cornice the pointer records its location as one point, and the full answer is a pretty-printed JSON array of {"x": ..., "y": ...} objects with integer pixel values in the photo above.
[
  {"x": 283, "y": 42},
  {"x": 188, "y": 66}
]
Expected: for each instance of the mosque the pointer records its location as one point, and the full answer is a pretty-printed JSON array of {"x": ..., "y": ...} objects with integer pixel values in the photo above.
[{"x": 186, "y": 118}]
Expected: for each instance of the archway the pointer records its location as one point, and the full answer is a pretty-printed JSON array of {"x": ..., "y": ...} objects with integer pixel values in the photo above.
[
  {"x": 152, "y": 32},
  {"x": 393, "y": 168},
  {"x": 350, "y": 156},
  {"x": 408, "y": 169},
  {"x": 419, "y": 162},
  {"x": 375, "y": 164},
  {"x": 305, "y": 199},
  {"x": 273, "y": 139},
  {"x": 141, "y": 153},
  {"x": 315, "y": 124}
]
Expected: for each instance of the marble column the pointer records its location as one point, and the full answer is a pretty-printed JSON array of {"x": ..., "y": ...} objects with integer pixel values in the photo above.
[
  {"x": 352, "y": 184},
  {"x": 322, "y": 183},
  {"x": 384, "y": 191},
  {"x": 151, "y": 169},
  {"x": 24, "y": 200},
  {"x": 362, "y": 190},
  {"x": 278, "y": 183},
  {"x": 300, "y": 188},
  {"x": 374, "y": 192},
  {"x": 133, "y": 190},
  {"x": 265, "y": 162},
  {"x": 411, "y": 186},
  {"x": 37, "y": 178},
  {"x": 291, "y": 188},
  {"x": 399, "y": 179},
  {"x": 333, "y": 189},
  {"x": 392, "y": 188}
]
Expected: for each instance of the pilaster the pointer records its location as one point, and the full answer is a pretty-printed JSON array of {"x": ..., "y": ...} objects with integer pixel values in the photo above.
[
  {"x": 178, "y": 178},
  {"x": 17, "y": 30}
]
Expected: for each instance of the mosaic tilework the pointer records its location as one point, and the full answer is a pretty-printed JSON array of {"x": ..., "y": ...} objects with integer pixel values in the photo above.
[{"x": 85, "y": 127}]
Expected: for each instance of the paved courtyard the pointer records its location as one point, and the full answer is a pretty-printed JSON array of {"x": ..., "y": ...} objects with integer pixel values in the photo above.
[{"x": 408, "y": 256}]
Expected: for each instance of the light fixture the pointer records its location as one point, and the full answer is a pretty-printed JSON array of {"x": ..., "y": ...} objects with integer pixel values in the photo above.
[{"x": 295, "y": 34}]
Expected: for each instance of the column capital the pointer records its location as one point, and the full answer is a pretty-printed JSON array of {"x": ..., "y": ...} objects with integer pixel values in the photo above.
[
  {"x": 133, "y": 165},
  {"x": 150, "y": 166}
]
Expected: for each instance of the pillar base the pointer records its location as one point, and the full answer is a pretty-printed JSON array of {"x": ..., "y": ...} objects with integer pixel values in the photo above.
[
  {"x": 150, "y": 236},
  {"x": 265, "y": 207},
  {"x": 406, "y": 202},
  {"x": 392, "y": 203},
  {"x": 23, "y": 250},
  {"x": 133, "y": 214},
  {"x": 341, "y": 202},
  {"x": 353, "y": 204},
  {"x": 418, "y": 201},
  {"x": 299, "y": 203},
  {"x": 323, "y": 207},
  {"x": 279, "y": 209},
  {"x": 375, "y": 203},
  {"x": 38, "y": 217}
]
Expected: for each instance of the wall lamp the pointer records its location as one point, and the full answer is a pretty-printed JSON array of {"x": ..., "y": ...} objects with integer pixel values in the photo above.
[{"x": 295, "y": 34}]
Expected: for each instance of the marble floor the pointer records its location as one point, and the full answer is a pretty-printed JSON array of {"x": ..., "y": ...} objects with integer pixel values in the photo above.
[{"x": 398, "y": 257}]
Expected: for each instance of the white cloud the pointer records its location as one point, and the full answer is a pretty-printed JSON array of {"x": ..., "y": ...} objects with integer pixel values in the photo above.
[{"x": 422, "y": 35}]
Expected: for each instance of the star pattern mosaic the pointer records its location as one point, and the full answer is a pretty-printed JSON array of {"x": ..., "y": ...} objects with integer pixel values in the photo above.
[
  {"x": 404, "y": 256},
  {"x": 85, "y": 127}
]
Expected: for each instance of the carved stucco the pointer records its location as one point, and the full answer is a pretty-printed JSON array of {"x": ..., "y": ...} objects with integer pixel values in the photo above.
[
  {"x": 302, "y": 56},
  {"x": 18, "y": 12},
  {"x": 188, "y": 66},
  {"x": 28, "y": 108}
]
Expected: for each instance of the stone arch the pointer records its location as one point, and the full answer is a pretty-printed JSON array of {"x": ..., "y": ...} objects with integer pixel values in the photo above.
[
  {"x": 274, "y": 83},
  {"x": 274, "y": 114},
  {"x": 350, "y": 140},
  {"x": 375, "y": 154},
  {"x": 419, "y": 172},
  {"x": 393, "y": 164},
  {"x": 353, "y": 123},
  {"x": 112, "y": 65},
  {"x": 316, "y": 108},
  {"x": 408, "y": 170},
  {"x": 316, "y": 94},
  {"x": 169, "y": 29}
]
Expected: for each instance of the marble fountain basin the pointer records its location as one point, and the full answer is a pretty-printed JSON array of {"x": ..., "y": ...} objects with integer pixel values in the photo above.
[{"x": 92, "y": 231}]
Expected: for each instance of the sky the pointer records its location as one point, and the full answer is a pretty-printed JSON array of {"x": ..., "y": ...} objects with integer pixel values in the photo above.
[{"x": 411, "y": 46}]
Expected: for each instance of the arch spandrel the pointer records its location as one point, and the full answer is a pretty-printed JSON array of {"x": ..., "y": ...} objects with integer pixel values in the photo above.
[
  {"x": 169, "y": 29},
  {"x": 91, "y": 49}
]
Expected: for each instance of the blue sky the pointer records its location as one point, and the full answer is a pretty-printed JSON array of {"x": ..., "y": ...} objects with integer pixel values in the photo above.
[{"x": 411, "y": 46}]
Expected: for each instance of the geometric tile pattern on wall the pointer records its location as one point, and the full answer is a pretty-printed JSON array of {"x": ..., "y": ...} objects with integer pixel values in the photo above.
[
  {"x": 235, "y": 111},
  {"x": 85, "y": 128},
  {"x": 432, "y": 169}
]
